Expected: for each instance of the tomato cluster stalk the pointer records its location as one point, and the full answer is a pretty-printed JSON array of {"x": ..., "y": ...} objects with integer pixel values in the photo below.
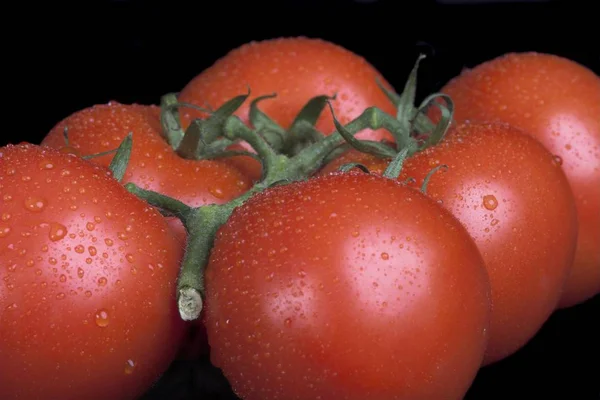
[{"x": 285, "y": 155}]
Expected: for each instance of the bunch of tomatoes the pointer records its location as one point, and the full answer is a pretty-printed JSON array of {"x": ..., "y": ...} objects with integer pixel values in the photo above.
[{"x": 327, "y": 237}]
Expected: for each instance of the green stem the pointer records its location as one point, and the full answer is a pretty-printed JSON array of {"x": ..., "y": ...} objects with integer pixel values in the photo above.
[{"x": 202, "y": 223}]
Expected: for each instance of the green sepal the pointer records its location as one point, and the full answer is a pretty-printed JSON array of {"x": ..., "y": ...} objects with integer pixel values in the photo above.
[{"x": 120, "y": 161}]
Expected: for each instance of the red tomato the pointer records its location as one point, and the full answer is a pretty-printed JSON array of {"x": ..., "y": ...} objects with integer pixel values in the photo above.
[
  {"x": 515, "y": 201},
  {"x": 558, "y": 102},
  {"x": 348, "y": 286},
  {"x": 297, "y": 69},
  {"x": 153, "y": 164},
  {"x": 88, "y": 274}
]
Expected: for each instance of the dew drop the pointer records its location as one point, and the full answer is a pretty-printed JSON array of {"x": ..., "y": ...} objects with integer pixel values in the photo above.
[
  {"x": 129, "y": 257},
  {"x": 5, "y": 217},
  {"x": 79, "y": 249},
  {"x": 355, "y": 234},
  {"x": 287, "y": 322},
  {"x": 80, "y": 272},
  {"x": 4, "y": 231},
  {"x": 557, "y": 160},
  {"x": 490, "y": 202},
  {"x": 129, "y": 367},
  {"x": 63, "y": 278},
  {"x": 92, "y": 250},
  {"x": 102, "y": 319},
  {"x": 60, "y": 296},
  {"x": 494, "y": 222},
  {"x": 46, "y": 165},
  {"x": 34, "y": 204},
  {"x": 90, "y": 226},
  {"x": 385, "y": 256},
  {"x": 57, "y": 231},
  {"x": 109, "y": 242},
  {"x": 88, "y": 293},
  {"x": 102, "y": 281},
  {"x": 217, "y": 192}
]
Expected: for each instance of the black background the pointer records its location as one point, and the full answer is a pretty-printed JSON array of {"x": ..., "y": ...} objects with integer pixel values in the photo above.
[{"x": 60, "y": 58}]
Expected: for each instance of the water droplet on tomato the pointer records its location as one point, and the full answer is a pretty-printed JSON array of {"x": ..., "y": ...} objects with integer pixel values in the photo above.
[
  {"x": 129, "y": 367},
  {"x": 494, "y": 222},
  {"x": 52, "y": 261},
  {"x": 7, "y": 197},
  {"x": 60, "y": 296},
  {"x": 12, "y": 306},
  {"x": 568, "y": 146},
  {"x": 80, "y": 272},
  {"x": 46, "y": 165},
  {"x": 63, "y": 278},
  {"x": 34, "y": 204},
  {"x": 38, "y": 272},
  {"x": 557, "y": 160},
  {"x": 385, "y": 256},
  {"x": 270, "y": 277},
  {"x": 12, "y": 268},
  {"x": 57, "y": 231},
  {"x": 90, "y": 226},
  {"x": 287, "y": 322},
  {"x": 79, "y": 249},
  {"x": 102, "y": 281},
  {"x": 108, "y": 242},
  {"x": 129, "y": 257},
  {"x": 217, "y": 192},
  {"x": 102, "y": 318},
  {"x": 4, "y": 231},
  {"x": 5, "y": 217},
  {"x": 88, "y": 293},
  {"x": 92, "y": 250},
  {"x": 490, "y": 202},
  {"x": 355, "y": 234}
]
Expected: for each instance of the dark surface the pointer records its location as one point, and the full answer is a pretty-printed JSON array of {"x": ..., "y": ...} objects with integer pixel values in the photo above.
[{"x": 59, "y": 59}]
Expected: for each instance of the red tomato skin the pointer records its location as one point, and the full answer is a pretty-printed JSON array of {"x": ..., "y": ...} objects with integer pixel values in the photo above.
[
  {"x": 349, "y": 286},
  {"x": 297, "y": 69},
  {"x": 153, "y": 164},
  {"x": 88, "y": 275},
  {"x": 515, "y": 201},
  {"x": 557, "y": 101}
]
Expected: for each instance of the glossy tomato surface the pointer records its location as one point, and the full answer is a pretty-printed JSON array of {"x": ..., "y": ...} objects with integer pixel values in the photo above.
[
  {"x": 515, "y": 201},
  {"x": 514, "y": 198},
  {"x": 87, "y": 282},
  {"x": 349, "y": 286},
  {"x": 297, "y": 69},
  {"x": 558, "y": 102},
  {"x": 153, "y": 164}
]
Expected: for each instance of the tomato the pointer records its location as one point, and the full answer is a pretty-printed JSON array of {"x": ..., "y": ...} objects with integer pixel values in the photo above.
[
  {"x": 153, "y": 164},
  {"x": 558, "y": 102},
  {"x": 515, "y": 201},
  {"x": 87, "y": 282},
  {"x": 349, "y": 286},
  {"x": 297, "y": 69}
]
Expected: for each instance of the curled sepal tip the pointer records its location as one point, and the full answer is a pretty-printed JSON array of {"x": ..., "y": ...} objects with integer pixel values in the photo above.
[
  {"x": 189, "y": 303},
  {"x": 443, "y": 167},
  {"x": 371, "y": 147},
  {"x": 447, "y": 114},
  {"x": 119, "y": 163},
  {"x": 350, "y": 166}
]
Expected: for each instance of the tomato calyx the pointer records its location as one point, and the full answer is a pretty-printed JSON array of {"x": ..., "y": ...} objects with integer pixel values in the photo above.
[
  {"x": 202, "y": 223},
  {"x": 281, "y": 163}
]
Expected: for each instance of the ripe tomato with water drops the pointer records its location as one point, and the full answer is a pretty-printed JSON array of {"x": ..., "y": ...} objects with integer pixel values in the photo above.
[
  {"x": 557, "y": 101},
  {"x": 87, "y": 282},
  {"x": 296, "y": 69},
  {"x": 515, "y": 201},
  {"x": 153, "y": 164},
  {"x": 350, "y": 286}
]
